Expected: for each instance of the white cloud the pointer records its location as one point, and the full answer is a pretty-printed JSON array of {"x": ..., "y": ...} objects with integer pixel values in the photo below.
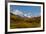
[
  {"x": 17, "y": 12},
  {"x": 26, "y": 15},
  {"x": 20, "y": 13}
]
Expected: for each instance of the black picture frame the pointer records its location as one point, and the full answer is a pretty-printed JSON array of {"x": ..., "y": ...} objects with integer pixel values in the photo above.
[{"x": 22, "y": 2}]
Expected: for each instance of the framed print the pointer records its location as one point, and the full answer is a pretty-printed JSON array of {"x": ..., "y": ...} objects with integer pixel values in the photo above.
[{"x": 25, "y": 16}]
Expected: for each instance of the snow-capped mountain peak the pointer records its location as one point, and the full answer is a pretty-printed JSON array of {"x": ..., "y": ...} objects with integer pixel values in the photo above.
[
  {"x": 17, "y": 12},
  {"x": 20, "y": 13}
]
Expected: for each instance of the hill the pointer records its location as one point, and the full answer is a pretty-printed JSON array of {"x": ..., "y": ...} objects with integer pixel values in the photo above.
[{"x": 24, "y": 22}]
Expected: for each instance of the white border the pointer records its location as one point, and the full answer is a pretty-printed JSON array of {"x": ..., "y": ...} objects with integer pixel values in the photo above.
[{"x": 24, "y": 29}]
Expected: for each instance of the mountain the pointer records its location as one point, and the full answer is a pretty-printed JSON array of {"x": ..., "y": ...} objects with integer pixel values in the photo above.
[
  {"x": 17, "y": 21},
  {"x": 14, "y": 17},
  {"x": 17, "y": 12},
  {"x": 20, "y": 13}
]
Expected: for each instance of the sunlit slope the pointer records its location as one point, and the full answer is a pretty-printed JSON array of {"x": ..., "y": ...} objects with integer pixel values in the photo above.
[{"x": 24, "y": 22}]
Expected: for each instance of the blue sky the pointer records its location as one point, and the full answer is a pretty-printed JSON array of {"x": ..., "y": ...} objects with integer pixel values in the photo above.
[{"x": 35, "y": 10}]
